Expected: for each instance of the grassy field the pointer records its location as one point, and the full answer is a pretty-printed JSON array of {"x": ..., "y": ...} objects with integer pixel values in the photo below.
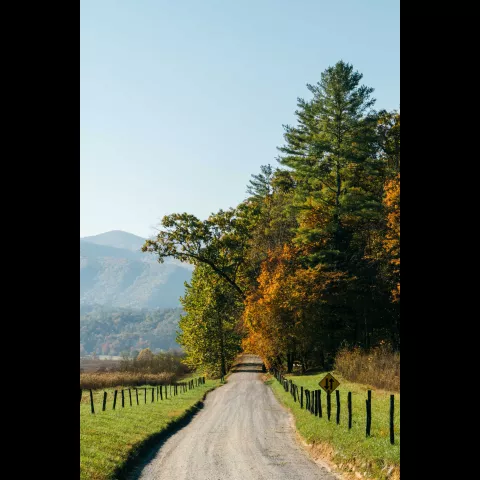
[
  {"x": 109, "y": 438},
  {"x": 351, "y": 451}
]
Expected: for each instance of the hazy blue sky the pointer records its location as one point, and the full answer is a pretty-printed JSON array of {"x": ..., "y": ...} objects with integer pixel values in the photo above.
[{"x": 181, "y": 101}]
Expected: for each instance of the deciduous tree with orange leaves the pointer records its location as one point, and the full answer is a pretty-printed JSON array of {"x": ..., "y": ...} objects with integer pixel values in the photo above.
[
  {"x": 392, "y": 238},
  {"x": 311, "y": 259},
  {"x": 290, "y": 314}
]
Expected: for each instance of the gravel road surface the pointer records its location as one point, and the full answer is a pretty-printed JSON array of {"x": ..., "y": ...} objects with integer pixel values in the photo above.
[{"x": 242, "y": 433}]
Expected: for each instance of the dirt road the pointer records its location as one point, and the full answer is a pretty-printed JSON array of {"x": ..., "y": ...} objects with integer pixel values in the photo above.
[{"x": 242, "y": 433}]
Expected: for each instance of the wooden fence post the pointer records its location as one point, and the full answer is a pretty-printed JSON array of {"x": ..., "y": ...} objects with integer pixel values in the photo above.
[
  {"x": 301, "y": 397},
  {"x": 136, "y": 393},
  {"x": 91, "y": 401},
  {"x": 337, "y": 394},
  {"x": 369, "y": 412},
  {"x": 161, "y": 395},
  {"x": 123, "y": 399},
  {"x": 315, "y": 393},
  {"x": 130, "y": 395},
  {"x": 104, "y": 401},
  {"x": 329, "y": 405},
  {"x": 392, "y": 409},
  {"x": 114, "y": 399},
  {"x": 349, "y": 410},
  {"x": 145, "y": 394},
  {"x": 153, "y": 394},
  {"x": 320, "y": 413}
]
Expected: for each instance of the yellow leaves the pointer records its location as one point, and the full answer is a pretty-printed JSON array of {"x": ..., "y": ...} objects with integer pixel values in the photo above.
[
  {"x": 391, "y": 243},
  {"x": 281, "y": 308}
]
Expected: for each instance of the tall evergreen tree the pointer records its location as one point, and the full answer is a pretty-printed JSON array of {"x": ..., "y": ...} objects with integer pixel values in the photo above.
[{"x": 335, "y": 136}]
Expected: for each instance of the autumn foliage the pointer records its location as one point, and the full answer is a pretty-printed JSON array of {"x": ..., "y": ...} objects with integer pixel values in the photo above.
[
  {"x": 285, "y": 312},
  {"x": 392, "y": 237},
  {"x": 310, "y": 262}
]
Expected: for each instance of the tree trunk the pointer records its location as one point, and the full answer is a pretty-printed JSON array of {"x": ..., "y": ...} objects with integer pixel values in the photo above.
[
  {"x": 222, "y": 349},
  {"x": 359, "y": 334},
  {"x": 367, "y": 335},
  {"x": 290, "y": 357},
  {"x": 322, "y": 359}
]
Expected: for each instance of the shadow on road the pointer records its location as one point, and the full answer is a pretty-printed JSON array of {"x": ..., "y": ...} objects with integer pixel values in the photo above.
[
  {"x": 247, "y": 371},
  {"x": 132, "y": 469},
  {"x": 247, "y": 368}
]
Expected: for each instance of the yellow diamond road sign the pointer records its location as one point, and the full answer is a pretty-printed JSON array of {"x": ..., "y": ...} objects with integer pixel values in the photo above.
[{"x": 329, "y": 383}]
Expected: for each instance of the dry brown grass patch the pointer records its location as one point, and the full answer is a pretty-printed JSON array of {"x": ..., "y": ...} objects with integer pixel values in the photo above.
[
  {"x": 380, "y": 367},
  {"x": 124, "y": 379}
]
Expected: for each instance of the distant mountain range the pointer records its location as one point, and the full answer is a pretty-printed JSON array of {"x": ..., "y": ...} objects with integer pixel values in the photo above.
[{"x": 114, "y": 272}]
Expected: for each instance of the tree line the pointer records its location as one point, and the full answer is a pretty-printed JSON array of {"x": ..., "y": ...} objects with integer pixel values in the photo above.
[
  {"x": 108, "y": 330},
  {"x": 310, "y": 261}
]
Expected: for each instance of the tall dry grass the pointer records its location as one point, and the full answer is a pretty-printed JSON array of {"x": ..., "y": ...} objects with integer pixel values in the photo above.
[
  {"x": 124, "y": 379},
  {"x": 380, "y": 367}
]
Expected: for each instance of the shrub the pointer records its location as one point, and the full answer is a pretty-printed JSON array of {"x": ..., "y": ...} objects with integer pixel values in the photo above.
[
  {"x": 147, "y": 362},
  {"x": 124, "y": 379},
  {"x": 379, "y": 367}
]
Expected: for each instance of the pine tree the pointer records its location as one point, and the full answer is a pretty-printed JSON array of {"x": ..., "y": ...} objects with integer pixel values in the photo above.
[{"x": 334, "y": 140}]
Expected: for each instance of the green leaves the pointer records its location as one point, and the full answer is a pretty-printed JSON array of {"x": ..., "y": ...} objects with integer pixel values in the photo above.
[
  {"x": 218, "y": 242},
  {"x": 209, "y": 327},
  {"x": 335, "y": 136},
  {"x": 324, "y": 210}
]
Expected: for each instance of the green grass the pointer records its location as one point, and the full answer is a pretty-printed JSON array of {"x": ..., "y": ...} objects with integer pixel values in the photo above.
[
  {"x": 373, "y": 457},
  {"x": 109, "y": 438}
]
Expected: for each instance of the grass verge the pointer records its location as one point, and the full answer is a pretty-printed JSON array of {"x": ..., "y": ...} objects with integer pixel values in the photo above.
[
  {"x": 349, "y": 450},
  {"x": 112, "y": 440}
]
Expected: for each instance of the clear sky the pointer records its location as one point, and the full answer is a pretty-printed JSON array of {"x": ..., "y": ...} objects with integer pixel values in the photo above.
[{"x": 181, "y": 101}]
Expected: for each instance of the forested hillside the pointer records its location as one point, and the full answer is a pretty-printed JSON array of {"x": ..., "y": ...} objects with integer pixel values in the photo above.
[
  {"x": 310, "y": 260},
  {"x": 114, "y": 272},
  {"x": 113, "y": 331}
]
